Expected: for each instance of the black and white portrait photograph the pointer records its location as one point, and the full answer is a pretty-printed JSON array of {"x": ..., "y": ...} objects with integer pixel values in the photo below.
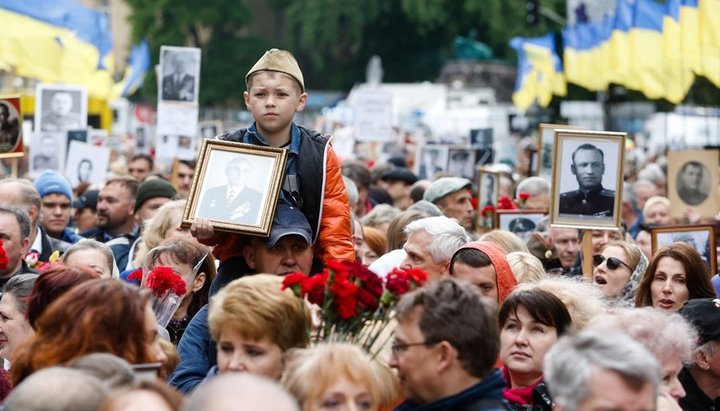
[
  {"x": 236, "y": 186},
  {"x": 87, "y": 163},
  {"x": 691, "y": 177},
  {"x": 545, "y": 148},
  {"x": 481, "y": 137},
  {"x": 487, "y": 189},
  {"x": 180, "y": 68},
  {"x": 10, "y": 128},
  {"x": 209, "y": 129},
  {"x": 587, "y": 178},
  {"x": 60, "y": 108},
  {"x": 519, "y": 222},
  {"x": 461, "y": 162},
  {"x": 700, "y": 237},
  {"x": 431, "y": 160},
  {"x": 47, "y": 152},
  {"x": 142, "y": 139}
]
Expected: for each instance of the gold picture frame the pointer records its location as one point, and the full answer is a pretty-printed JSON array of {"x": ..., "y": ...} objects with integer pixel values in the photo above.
[
  {"x": 11, "y": 135},
  {"x": 589, "y": 197},
  {"x": 545, "y": 148},
  {"x": 691, "y": 234},
  {"x": 693, "y": 178},
  {"x": 236, "y": 186}
]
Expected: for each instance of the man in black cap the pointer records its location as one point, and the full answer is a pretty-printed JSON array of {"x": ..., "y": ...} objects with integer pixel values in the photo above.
[
  {"x": 151, "y": 195},
  {"x": 397, "y": 182},
  {"x": 85, "y": 214},
  {"x": 701, "y": 380}
]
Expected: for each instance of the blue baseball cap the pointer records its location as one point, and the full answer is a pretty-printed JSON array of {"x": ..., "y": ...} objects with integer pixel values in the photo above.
[{"x": 289, "y": 221}]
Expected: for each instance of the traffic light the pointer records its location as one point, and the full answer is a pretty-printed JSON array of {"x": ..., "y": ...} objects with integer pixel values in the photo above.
[{"x": 532, "y": 12}]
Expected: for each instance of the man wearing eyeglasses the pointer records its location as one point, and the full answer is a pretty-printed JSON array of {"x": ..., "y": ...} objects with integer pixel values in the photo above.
[{"x": 446, "y": 344}]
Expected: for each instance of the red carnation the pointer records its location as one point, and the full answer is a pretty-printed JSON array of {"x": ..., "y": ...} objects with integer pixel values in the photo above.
[
  {"x": 163, "y": 279},
  {"x": 418, "y": 276},
  {"x": 524, "y": 196},
  {"x": 293, "y": 279},
  {"x": 487, "y": 211},
  {"x": 136, "y": 275},
  {"x": 397, "y": 282},
  {"x": 4, "y": 260},
  {"x": 314, "y": 288},
  {"x": 346, "y": 307},
  {"x": 343, "y": 288},
  {"x": 505, "y": 203}
]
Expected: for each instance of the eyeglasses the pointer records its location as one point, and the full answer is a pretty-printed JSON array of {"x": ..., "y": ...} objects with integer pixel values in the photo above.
[
  {"x": 612, "y": 262},
  {"x": 397, "y": 347}
]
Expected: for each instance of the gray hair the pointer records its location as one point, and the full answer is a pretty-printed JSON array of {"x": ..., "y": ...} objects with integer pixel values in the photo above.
[
  {"x": 29, "y": 196},
  {"x": 570, "y": 363},
  {"x": 426, "y": 207},
  {"x": 379, "y": 215},
  {"x": 675, "y": 339},
  {"x": 20, "y": 286},
  {"x": 114, "y": 372},
  {"x": 535, "y": 186},
  {"x": 90, "y": 244},
  {"x": 241, "y": 391},
  {"x": 653, "y": 173},
  {"x": 629, "y": 195},
  {"x": 59, "y": 389},
  {"x": 352, "y": 190},
  {"x": 22, "y": 218},
  {"x": 448, "y": 236}
]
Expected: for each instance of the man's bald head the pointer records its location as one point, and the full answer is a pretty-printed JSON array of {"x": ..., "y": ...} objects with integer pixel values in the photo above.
[{"x": 241, "y": 392}]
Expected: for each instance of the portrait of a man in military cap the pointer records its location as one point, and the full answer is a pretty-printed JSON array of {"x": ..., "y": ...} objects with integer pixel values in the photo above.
[{"x": 591, "y": 198}]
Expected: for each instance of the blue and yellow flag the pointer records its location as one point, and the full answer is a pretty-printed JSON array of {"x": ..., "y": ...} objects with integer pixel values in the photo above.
[
  {"x": 620, "y": 60},
  {"x": 646, "y": 44},
  {"x": 57, "y": 41},
  {"x": 678, "y": 74},
  {"x": 138, "y": 65},
  {"x": 709, "y": 35},
  {"x": 540, "y": 72}
]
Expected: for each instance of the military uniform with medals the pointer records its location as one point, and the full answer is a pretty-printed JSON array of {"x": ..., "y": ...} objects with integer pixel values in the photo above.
[{"x": 597, "y": 202}]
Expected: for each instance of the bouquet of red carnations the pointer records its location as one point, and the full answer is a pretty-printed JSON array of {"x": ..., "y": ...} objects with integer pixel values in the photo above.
[
  {"x": 355, "y": 304},
  {"x": 4, "y": 261},
  {"x": 167, "y": 288}
]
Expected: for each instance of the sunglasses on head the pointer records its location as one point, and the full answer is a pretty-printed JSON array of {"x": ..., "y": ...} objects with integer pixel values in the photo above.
[{"x": 612, "y": 262}]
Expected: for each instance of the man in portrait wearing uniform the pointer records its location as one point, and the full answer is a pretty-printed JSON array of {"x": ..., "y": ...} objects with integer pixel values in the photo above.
[
  {"x": 60, "y": 117},
  {"x": 590, "y": 199},
  {"x": 235, "y": 201},
  {"x": 690, "y": 188}
]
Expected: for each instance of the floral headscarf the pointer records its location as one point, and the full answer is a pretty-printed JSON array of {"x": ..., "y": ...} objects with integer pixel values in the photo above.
[{"x": 626, "y": 298}]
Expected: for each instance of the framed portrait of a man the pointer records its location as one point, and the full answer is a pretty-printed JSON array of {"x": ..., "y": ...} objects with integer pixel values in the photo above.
[
  {"x": 545, "y": 148},
  {"x": 47, "y": 152},
  {"x": 461, "y": 162},
  {"x": 180, "y": 74},
  {"x": 236, "y": 186},
  {"x": 587, "y": 179},
  {"x": 488, "y": 185},
  {"x": 693, "y": 179},
  {"x": 700, "y": 236},
  {"x": 87, "y": 163},
  {"x": 431, "y": 160},
  {"x": 11, "y": 142},
  {"x": 519, "y": 222},
  {"x": 209, "y": 129},
  {"x": 59, "y": 108}
]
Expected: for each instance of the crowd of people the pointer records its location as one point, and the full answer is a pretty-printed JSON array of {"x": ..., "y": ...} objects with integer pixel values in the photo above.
[{"x": 503, "y": 322}]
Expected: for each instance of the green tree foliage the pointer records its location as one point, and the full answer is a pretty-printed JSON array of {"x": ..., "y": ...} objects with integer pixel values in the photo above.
[
  {"x": 335, "y": 38},
  {"x": 213, "y": 25}
]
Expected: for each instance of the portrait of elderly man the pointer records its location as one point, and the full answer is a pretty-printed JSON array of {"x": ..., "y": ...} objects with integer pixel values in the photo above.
[
  {"x": 234, "y": 201},
  {"x": 9, "y": 127},
  {"x": 61, "y": 114},
  {"x": 590, "y": 199},
  {"x": 690, "y": 186},
  {"x": 178, "y": 85}
]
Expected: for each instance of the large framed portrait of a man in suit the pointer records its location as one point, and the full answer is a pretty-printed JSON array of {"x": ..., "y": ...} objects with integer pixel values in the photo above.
[
  {"x": 587, "y": 179},
  {"x": 180, "y": 69},
  {"x": 236, "y": 186},
  {"x": 692, "y": 180}
]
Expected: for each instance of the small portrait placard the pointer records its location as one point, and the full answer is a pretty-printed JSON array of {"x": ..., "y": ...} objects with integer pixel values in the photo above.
[
  {"x": 519, "y": 222},
  {"x": 545, "y": 148},
  {"x": 11, "y": 136},
  {"x": 700, "y": 237},
  {"x": 693, "y": 179}
]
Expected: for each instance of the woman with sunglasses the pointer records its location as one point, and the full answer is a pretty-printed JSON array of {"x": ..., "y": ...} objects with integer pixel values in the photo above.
[
  {"x": 676, "y": 274},
  {"x": 618, "y": 270},
  {"x": 530, "y": 321}
]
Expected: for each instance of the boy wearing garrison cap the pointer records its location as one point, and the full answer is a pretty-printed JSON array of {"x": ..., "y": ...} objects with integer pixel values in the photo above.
[{"x": 313, "y": 180}]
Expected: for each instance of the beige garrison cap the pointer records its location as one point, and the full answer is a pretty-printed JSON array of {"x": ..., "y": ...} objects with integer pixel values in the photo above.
[{"x": 281, "y": 61}]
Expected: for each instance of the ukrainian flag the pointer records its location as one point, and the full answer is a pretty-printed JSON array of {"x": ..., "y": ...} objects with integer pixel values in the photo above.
[
  {"x": 709, "y": 16},
  {"x": 689, "y": 17},
  {"x": 588, "y": 56},
  {"x": 603, "y": 52},
  {"x": 571, "y": 50},
  {"x": 646, "y": 44},
  {"x": 620, "y": 59},
  {"x": 138, "y": 65},
  {"x": 57, "y": 41},
  {"x": 678, "y": 75},
  {"x": 540, "y": 73}
]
